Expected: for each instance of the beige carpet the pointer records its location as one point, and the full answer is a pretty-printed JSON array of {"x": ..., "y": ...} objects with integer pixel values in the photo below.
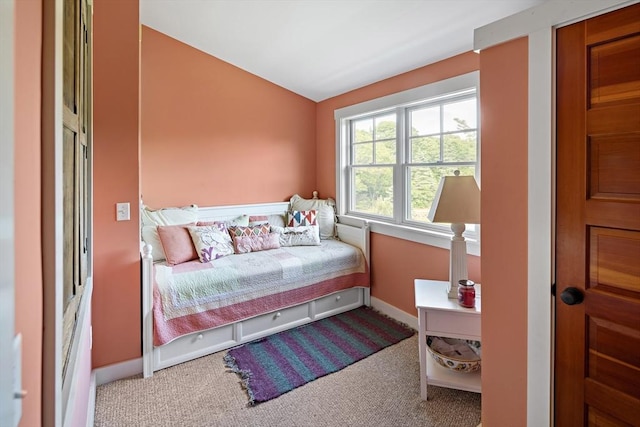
[{"x": 381, "y": 390}]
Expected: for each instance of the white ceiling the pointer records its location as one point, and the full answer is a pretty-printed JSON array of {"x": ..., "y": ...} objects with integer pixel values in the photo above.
[{"x": 323, "y": 48}]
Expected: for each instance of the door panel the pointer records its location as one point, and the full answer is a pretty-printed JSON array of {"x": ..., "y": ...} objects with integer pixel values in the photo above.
[
  {"x": 615, "y": 166},
  {"x": 597, "y": 360},
  {"x": 614, "y": 259},
  {"x": 613, "y": 76}
]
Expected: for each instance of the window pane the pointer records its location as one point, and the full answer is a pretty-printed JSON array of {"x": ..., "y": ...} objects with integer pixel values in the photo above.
[
  {"x": 363, "y": 130},
  {"x": 373, "y": 190},
  {"x": 386, "y": 152},
  {"x": 460, "y": 147},
  {"x": 363, "y": 153},
  {"x": 425, "y": 121},
  {"x": 425, "y": 149},
  {"x": 386, "y": 127},
  {"x": 424, "y": 181},
  {"x": 460, "y": 115}
]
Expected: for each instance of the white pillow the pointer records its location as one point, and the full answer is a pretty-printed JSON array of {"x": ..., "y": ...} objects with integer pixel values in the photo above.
[
  {"x": 305, "y": 235},
  {"x": 166, "y": 216},
  {"x": 326, "y": 213},
  {"x": 242, "y": 220},
  {"x": 169, "y": 216},
  {"x": 150, "y": 236}
]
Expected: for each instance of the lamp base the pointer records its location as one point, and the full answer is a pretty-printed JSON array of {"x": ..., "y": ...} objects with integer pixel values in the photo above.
[
  {"x": 452, "y": 291},
  {"x": 458, "y": 260}
]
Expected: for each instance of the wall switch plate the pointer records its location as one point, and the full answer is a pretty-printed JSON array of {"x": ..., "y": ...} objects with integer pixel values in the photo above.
[{"x": 123, "y": 212}]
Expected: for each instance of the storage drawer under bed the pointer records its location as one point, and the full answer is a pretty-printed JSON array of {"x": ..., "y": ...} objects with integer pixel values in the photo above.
[
  {"x": 194, "y": 345},
  {"x": 275, "y": 321},
  {"x": 338, "y": 302}
]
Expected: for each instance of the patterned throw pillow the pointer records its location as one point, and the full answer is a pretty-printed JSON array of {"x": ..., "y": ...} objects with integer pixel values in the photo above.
[
  {"x": 298, "y": 236},
  {"x": 298, "y": 218},
  {"x": 210, "y": 242},
  {"x": 255, "y": 230},
  {"x": 326, "y": 209},
  {"x": 255, "y": 242},
  {"x": 222, "y": 226}
]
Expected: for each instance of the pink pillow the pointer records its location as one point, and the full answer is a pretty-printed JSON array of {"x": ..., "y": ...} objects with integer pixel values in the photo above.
[
  {"x": 254, "y": 243},
  {"x": 177, "y": 244},
  {"x": 258, "y": 220}
]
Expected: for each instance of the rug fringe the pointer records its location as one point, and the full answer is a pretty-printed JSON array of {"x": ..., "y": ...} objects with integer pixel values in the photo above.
[{"x": 230, "y": 362}]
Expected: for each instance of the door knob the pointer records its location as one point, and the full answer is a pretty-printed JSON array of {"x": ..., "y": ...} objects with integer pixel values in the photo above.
[{"x": 572, "y": 296}]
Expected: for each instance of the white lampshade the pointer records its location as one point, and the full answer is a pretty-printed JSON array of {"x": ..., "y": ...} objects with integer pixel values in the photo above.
[{"x": 457, "y": 200}]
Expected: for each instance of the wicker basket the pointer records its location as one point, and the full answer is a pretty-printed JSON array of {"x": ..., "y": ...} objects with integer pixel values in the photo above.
[{"x": 455, "y": 354}]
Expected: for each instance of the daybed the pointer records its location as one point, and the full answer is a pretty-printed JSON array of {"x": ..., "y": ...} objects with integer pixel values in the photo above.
[{"x": 186, "y": 316}]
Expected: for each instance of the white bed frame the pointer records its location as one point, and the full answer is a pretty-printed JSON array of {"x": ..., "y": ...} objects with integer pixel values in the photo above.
[{"x": 201, "y": 343}]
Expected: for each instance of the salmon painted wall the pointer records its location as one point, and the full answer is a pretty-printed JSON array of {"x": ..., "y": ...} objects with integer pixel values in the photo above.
[
  {"x": 116, "y": 257},
  {"x": 395, "y": 262},
  {"x": 27, "y": 207},
  {"x": 504, "y": 124},
  {"x": 213, "y": 134}
]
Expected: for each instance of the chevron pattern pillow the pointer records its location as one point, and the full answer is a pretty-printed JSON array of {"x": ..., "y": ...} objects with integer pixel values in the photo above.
[
  {"x": 302, "y": 218},
  {"x": 255, "y": 230}
]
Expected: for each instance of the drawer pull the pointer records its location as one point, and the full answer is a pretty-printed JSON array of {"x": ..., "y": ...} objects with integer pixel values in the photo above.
[
  {"x": 200, "y": 336},
  {"x": 278, "y": 314},
  {"x": 338, "y": 298}
]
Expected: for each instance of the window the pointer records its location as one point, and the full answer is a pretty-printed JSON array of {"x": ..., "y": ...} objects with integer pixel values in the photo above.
[{"x": 392, "y": 152}]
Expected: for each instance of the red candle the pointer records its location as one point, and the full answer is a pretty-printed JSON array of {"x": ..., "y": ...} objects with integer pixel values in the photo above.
[{"x": 466, "y": 293}]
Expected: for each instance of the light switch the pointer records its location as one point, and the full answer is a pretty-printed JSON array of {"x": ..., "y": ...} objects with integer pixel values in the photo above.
[{"x": 122, "y": 212}]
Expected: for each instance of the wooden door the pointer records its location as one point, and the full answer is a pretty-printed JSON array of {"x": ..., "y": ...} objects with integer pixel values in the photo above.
[{"x": 597, "y": 346}]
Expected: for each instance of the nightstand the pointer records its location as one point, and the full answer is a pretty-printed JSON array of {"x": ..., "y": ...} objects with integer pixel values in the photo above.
[{"x": 440, "y": 316}]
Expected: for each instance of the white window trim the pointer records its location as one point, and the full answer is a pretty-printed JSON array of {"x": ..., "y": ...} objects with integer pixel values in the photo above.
[
  {"x": 10, "y": 408},
  {"x": 342, "y": 115}
]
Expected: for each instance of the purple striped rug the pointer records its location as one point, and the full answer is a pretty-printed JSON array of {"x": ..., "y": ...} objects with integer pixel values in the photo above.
[{"x": 281, "y": 362}]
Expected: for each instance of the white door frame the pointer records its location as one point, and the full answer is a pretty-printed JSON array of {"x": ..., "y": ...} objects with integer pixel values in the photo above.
[
  {"x": 539, "y": 24},
  {"x": 7, "y": 179}
]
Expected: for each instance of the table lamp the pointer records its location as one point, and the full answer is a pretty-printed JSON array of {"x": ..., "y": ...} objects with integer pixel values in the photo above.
[{"x": 457, "y": 202}]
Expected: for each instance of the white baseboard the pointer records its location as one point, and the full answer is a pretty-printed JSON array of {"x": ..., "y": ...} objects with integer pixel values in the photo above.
[
  {"x": 117, "y": 371},
  {"x": 394, "y": 312},
  {"x": 91, "y": 405},
  {"x": 107, "y": 374}
]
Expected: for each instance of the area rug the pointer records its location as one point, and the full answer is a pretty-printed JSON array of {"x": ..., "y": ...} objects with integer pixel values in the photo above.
[{"x": 279, "y": 363}]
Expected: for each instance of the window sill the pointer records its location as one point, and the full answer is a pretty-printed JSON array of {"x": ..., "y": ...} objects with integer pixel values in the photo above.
[{"x": 426, "y": 237}]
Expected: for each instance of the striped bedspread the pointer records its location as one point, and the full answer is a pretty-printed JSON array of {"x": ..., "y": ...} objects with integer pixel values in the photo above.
[{"x": 195, "y": 296}]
